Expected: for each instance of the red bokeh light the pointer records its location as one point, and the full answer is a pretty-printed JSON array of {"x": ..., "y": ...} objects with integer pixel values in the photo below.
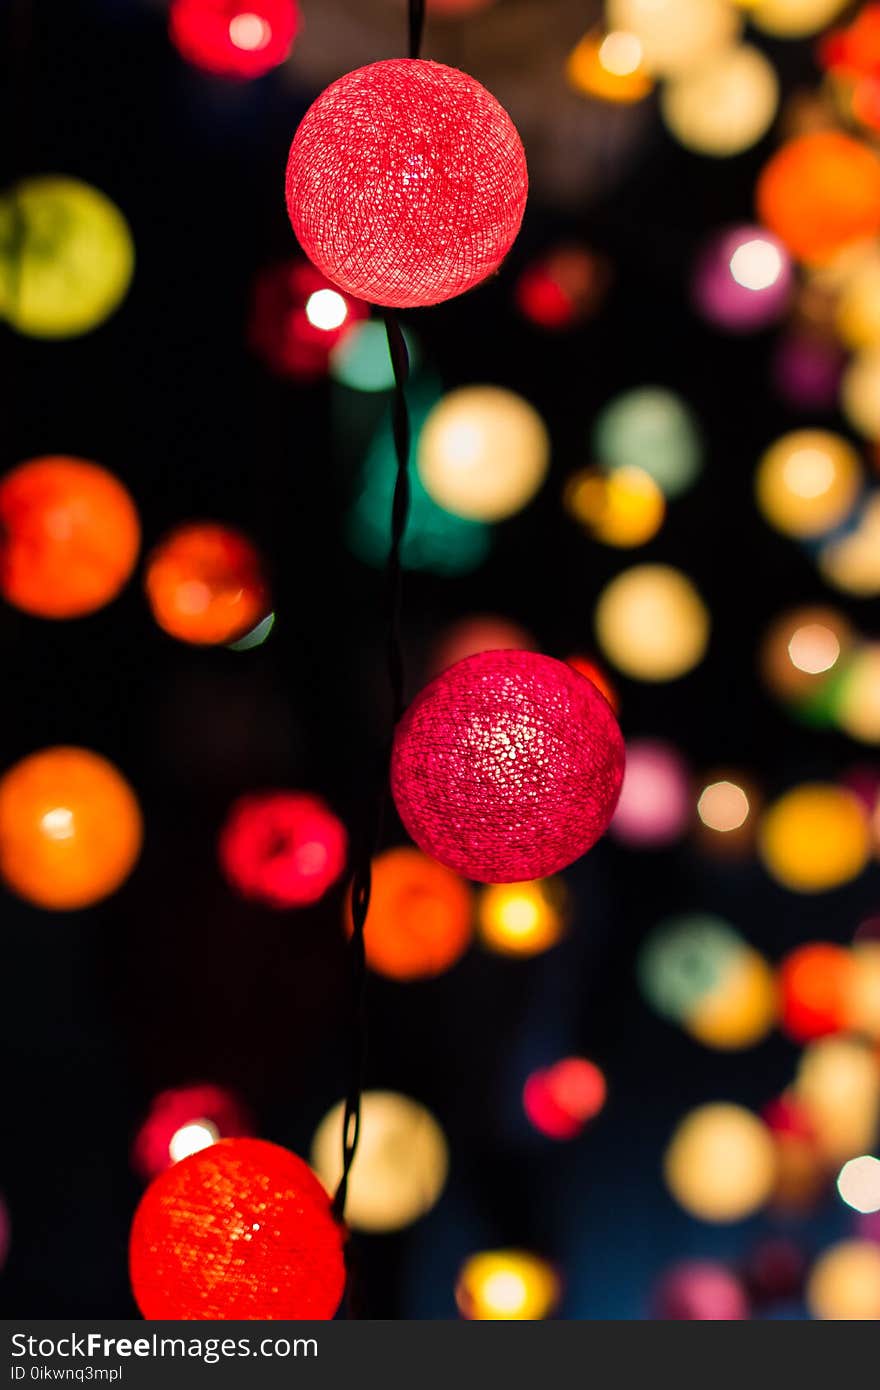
[
  {"x": 700, "y": 1291},
  {"x": 205, "y": 584},
  {"x": 563, "y": 288},
  {"x": 282, "y": 329},
  {"x": 234, "y": 38},
  {"x": 284, "y": 849},
  {"x": 593, "y": 672},
  {"x": 242, "y": 1229},
  {"x": 186, "y": 1105},
  {"x": 560, "y": 1100},
  {"x": 814, "y": 989}
]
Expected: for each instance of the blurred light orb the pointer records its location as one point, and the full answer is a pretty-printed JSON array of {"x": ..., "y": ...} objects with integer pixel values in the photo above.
[
  {"x": 815, "y": 984},
  {"x": 725, "y": 105},
  {"x": 806, "y": 370},
  {"x": 700, "y": 1291},
  {"x": 720, "y": 1165},
  {"x": 400, "y": 1167},
  {"x": 652, "y": 429},
  {"x": 820, "y": 194},
  {"x": 283, "y": 849},
  {"x": 420, "y": 920},
  {"x": 844, "y": 1283},
  {"x": 359, "y": 359},
  {"x": 504, "y": 1285},
  {"x": 70, "y": 828},
  {"x": 234, "y": 38},
  {"x": 522, "y": 919},
  {"x": 851, "y": 561},
  {"x": 481, "y": 633},
  {"x": 66, "y": 257},
  {"x": 808, "y": 483},
  {"x": 593, "y": 672},
  {"x": 858, "y": 706},
  {"x": 723, "y": 806},
  {"x": 507, "y": 766},
  {"x": 297, "y": 320},
  {"x": 857, "y": 313},
  {"x": 794, "y": 19},
  {"x": 741, "y": 1010},
  {"x": 814, "y": 649},
  {"x": 69, "y": 537},
  {"x": 240, "y": 1230},
  {"x": 326, "y": 309},
  {"x": 859, "y": 392},
  {"x": 814, "y": 838},
  {"x": 742, "y": 280},
  {"x": 444, "y": 170},
  {"x": 838, "y": 1088},
  {"x": 652, "y": 624},
  {"x": 562, "y": 288},
  {"x": 183, "y": 1121},
  {"x": 798, "y": 650},
  {"x": 655, "y": 805},
  {"x": 561, "y": 1099},
  {"x": 483, "y": 453},
  {"x": 676, "y": 35},
  {"x": 205, "y": 584},
  {"x": 858, "y": 1183},
  {"x": 625, "y": 508},
  {"x": 609, "y": 68}
]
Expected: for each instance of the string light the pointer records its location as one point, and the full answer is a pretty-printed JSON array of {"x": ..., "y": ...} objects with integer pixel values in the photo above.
[
  {"x": 820, "y": 194},
  {"x": 652, "y": 624},
  {"x": 420, "y": 920},
  {"x": 815, "y": 838},
  {"x": 523, "y": 919},
  {"x": 844, "y": 1283},
  {"x": 807, "y": 482},
  {"x": 650, "y": 428},
  {"x": 725, "y": 105},
  {"x": 503, "y": 1285},
  {"x": 655, "y": 806},
  {"x": 284, "y": 849},
  {"x": 675, "y": 35},
  {"x": 743, "y": 280},
  {"x": 234, "y": 38},
  {"x": 720, "y": 1165},
  {"x": 205, "y": 584}
]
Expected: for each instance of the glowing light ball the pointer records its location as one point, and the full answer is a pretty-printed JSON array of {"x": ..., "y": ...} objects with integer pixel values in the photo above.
[
  {"x": 242, "y": 1229},
  {"x": 523, "y": 919},
  {"x": 725, "y": 105},
  {"x": 234, "y": 38},
  {"x": 625, "y": 508},
  {"x": 652, "y": 429},
  {"x": 724, "y": 807},
  {"x": 69, "y": 537},
  {"x": 863, "y": 995},
  {"x": 675, "y": 35},
  {"x": 806, "y": 371},
  {"x": 359, "y": 359},
  {"x": 820, "y": 193},
  {"x": 741, "y": 1010},
  {"x": 561, "y": 1099},
  {"x": 858, "y": 391},
  {"x": 858, "y": 708},
  {"x": 721, "y": 1164},
  {"x": 794, "y": 19},
  {"x": 205, "y": 584},
  {"x": 505, "y": 1285},
  {"x": 563, "y": 288},
  {"x": 838, "y": 1086},
  {"x": 70, "y": 828},
  {"x": 283, "y": 849},
  {"x": 858, "y": 1183},
  {"x": 420, "y": 918},
  {"x": 742, "y": 280},
  {"x": 406, "y": 183},
  {"x": 802, "y": 648},
  {"x": 815, "y": 983},
  {"x": 593, "y": 672},
  {"x": 844, "y": 1283},
  {"x": 483, "y": 453},
  {"x": 400, "y": 1167},
  {"x": 808, "y": 482},
  {"x": 815, "y": 838},
  {"x": 652, "y": 624},
  {"x": 298, "y": 318},
  {"x": 66, "y": 257},
  {"x": 857, "y": 314},
  {"x": 851, "y": 561},
  {"x": 609, "y": 67},
  {"x": 507, "y": 766},
  {"x": 700, "y": 1291},
  {"x": 183, "y": 1121},
  {"x": 655, "y": 806}
]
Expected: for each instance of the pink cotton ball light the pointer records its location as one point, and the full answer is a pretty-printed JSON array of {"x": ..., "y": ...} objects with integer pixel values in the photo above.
[
  {"x": 507, "y": 766},
  {"x": 283, "y": 849},
  {"x": 406, "y": 183},
  {"x": 655, "y": 803}
]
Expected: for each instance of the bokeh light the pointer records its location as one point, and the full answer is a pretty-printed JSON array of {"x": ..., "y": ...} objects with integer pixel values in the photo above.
[
  {"x": 70, "y": 828},
  {"x": 283, "y": 849},
  {"x": 815, "y": 984},
  {"x": 359, "y": 358},
  {"x": 793, "y": 19},
  {"x": 609, "y": 67},
  {"x": 400, "y": 1167},
  {"x": 808, "y": 482},
  {"x": 298, "y": 319},
  {"x": 720, "y": 1165},
  {"x": 723, "y": 806},
  {"x": 801, "y": 649},
  {"x": 742, "y": 279},
  {"x": 420, "y": 919},
  {"x": 844, "y": 1283},
  {"x": 858, "y": 1183},
  {"x": 806, "y": 370},
  {"x": 815, "y": 838},
  {"x": 185, "y": 1120},
  {"x": 595, "y": 673},
  {"x": 624, "y": 508},
  {"x": 851, "y": 561},
  {"x": 700, "y": 1291},
  {"x": 725, "y": 105},
  {"x": 838, "y": 1087},
  {"x": 655, "y": 804},
  {"x": 858, "y": 706},
  {"x": 498, "y": 1285},
  {"x": 484, "y": 632},
  {"x": 859, "y": 392},
  {"x": 483, "y": 453},
  {"x": 205, "y": 584},
  {"x": 820, "y": 194},
  {"x": 652, "y": 429},
  {"x": 562, "y": 288},
  {"x": 561, "y": 1099},
  {"x": 522, "y": 919},
  {"x": 234, "y": 38},
  {"x": 676, "y": 35},
  {"x": 857, "y": 312},
  {"x": 652, "y": 624}
]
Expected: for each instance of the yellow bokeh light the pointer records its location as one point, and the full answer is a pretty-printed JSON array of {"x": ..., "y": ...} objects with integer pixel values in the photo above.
[
  {"x": 400, "y": 1167},
  {"x": 794, "y": 19},
  {"x": 852, "y": 562},
  {"x": 500, "y": 1285},
  {"x": 720, "y": 1165},
  {"x": 858, "y": 707},
  {"x": 725, "y": 105},
  {"x": 858, "y": 305},
  {"x": 652, "y": 624},
  {"x": 797, "y": 647},
  {"x": 624, "y": 508},
  {"x": 863, "y": 1000},
  {"x": 620, "y": 53},
  {"x": 522, "y": 919},
  {"x": 723, "y": 806},
  {"x": 483, "y": 453},
  {"x": 66, "y": 257},
  {"x": 675, "y": 34},
  {"x": 838, "y": 1086},
  {"x": 741, "y": 1009},
  {"x": 814, "y": 648},
  {"x": 860, "y": 392},
  {"x": 815, "y": 837},
  {"x": 858, "y": 1183},
  {"x": 598, "y": 68},
  {"x": 844, "y": 1283},
  {"x": 808, "y": 482}
]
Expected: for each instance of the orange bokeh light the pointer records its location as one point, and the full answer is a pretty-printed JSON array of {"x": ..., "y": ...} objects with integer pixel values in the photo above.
[
  {"x": 69, "y": 537},
  {"x": 420, "y": 918},
  {"x": 594, "y": 673},
  {"x": 820, "y": 193},
  {"x": 815, "y": 985},
  {"x": 70, "y": 828},
  {"x": 205, "y": 584}
]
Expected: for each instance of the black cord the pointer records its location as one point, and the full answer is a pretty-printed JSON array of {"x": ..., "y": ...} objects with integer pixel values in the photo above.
[{"x": 416, "y": 26}]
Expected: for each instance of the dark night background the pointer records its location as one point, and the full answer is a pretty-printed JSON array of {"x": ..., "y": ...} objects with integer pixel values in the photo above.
[{"x": 175, "y": 980}]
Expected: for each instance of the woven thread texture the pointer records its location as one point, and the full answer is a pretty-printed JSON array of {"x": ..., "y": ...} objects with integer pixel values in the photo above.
[
  {"x": 242, "y": 1229},
  {"x": 406, "y": 183},
  {"x": 507, "y": 767}
]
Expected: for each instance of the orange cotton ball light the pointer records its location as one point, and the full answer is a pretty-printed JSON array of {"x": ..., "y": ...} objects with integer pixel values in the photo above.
[
  {"x": 70, "y": 828},
  {"x": 69, "y": 537},
  {"x": 205, "y": 584},
  {"x": 820, "y": 193},
  {"x": 420, "y": 917},
  {"x": 242, "y": 1229}
]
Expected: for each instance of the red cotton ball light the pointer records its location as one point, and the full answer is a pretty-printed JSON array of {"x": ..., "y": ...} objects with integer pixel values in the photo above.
[
  {"x": 284, "y": 849},
  {"x": 242, "y": 1229},
  {"x": 297, "y": 318},
  {"x": 507, "y": 766},
  {"x": 406, "y": 183},
  {"x": 234, "y": 38}
]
